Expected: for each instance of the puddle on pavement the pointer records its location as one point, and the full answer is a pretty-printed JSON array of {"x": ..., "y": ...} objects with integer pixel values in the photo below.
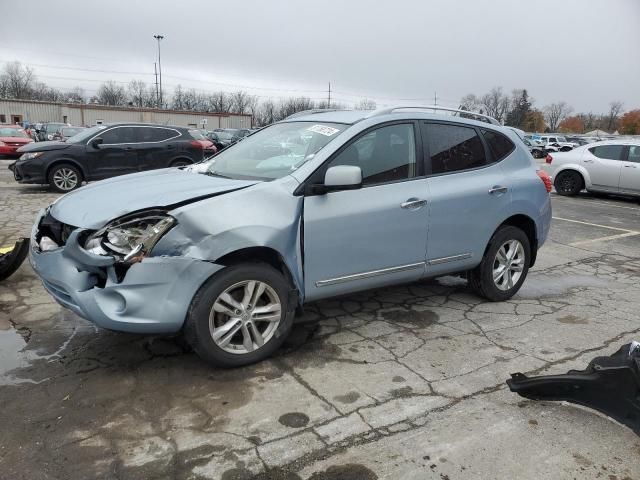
[
  {"x": 536, "y": 286},
  {"x": 13, "y": 354}
]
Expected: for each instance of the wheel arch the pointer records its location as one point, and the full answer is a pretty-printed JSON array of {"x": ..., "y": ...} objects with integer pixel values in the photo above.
[
  {"x": 263, "y": 254},
  {"x": 528, "y": 226},
  {"x": 65, "y": 160},
  {"x": 179, "y": 158}
]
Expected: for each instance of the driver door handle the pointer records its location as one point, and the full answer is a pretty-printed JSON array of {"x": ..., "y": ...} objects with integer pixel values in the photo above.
[
  {"x": 413, "y": 204},
  {"x": 498, "y": 189}
]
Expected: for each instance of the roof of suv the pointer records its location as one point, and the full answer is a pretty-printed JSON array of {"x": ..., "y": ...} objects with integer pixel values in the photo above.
[
  {"x": 138, "y": 124},
  {"x": 354, "y": 116}
]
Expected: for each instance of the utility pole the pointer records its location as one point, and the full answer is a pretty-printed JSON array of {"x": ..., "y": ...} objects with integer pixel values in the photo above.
[
  {"x": 158, "y": 38},
  {"x": 155, "y": 70},
  {"x": 329, "y": 99}
]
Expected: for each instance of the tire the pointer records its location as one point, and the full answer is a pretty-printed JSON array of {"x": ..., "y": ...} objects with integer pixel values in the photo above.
[
  {"x": 505, "y": 240},
  {"x": 219, "y": 308},
  {"x": 568, "y": 183},
  {"x": 566, "y": 149},
  {"x": 64, "y": 177},
  {"x": 181, "y": 163},
  {"x": 537, "y": 154}
]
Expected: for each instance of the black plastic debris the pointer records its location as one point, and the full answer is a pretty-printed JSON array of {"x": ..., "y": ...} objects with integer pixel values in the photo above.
[
  {"x": 610, "y": 385},
  {"x": 11, "y": 260}
]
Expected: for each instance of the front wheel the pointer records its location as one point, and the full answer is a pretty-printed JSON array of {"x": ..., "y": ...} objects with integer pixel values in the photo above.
[
  {"x": 504, "y": 266},
  {"x": 64, "y": 178},
  {"x": 240, "y": 315}
]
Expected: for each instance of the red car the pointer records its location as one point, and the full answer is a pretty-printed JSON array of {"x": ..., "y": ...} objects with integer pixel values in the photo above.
[
  {"x": 207, "y": 145},
  {"x": 12, "y": 137}
]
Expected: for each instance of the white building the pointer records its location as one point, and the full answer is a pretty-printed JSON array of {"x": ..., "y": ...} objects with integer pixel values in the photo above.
[{"x": 18, "y": 111}]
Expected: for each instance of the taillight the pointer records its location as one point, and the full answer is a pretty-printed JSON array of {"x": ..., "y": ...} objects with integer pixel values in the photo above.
[
  {"x": 197, "y": 144},
  {"x": 548, "y": 159},
  {"x": 546, "y": 179}
]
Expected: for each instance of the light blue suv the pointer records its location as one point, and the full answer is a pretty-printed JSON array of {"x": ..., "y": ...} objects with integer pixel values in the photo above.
[{"x": 324, "y": 203}]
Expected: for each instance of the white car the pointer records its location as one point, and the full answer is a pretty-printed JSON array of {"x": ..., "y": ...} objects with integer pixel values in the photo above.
[
  {"x": 556, "y": 143},
  {"x": 611, "y": 166}
]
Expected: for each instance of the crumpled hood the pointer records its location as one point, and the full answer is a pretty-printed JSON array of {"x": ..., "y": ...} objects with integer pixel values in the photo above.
[
  {"x": 43, "y": 146},
  {"x": 96, "y": 204}
]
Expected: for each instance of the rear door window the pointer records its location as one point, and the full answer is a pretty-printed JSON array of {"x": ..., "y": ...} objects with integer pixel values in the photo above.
[
  {"x": 609, "y": 152},
  {"x": 454, "y": 148},
  {"x": 155, "y": 134}
]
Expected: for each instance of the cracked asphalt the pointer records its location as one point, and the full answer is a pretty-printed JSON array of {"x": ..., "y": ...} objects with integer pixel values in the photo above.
[{"x": 400, "y": 383}]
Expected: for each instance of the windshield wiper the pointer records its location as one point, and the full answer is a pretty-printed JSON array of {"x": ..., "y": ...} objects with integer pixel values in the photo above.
[{"x": 209, "y": 173}]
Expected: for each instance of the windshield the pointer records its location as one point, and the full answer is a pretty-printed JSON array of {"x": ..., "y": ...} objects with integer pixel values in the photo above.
[
  {"x": 197, "y": 135},
  {"x": 275, "y": 151},
  {"x": 13, "y": 132},
  {"x": 562, "y": 139},
  {"x": 86, "y": 134}
]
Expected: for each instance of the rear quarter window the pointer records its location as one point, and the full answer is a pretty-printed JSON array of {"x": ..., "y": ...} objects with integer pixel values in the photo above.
[
  {"x": 610, "y": 152},
  {"x": 499, "y": 145}
]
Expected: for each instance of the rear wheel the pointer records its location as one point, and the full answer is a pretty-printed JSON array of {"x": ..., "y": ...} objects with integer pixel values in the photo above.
[
  {"x": 240, "y": 315},
  {"x": 64, "y": 178},
  {"x": 181, "y": 162},
  {"x": 504, "y": 266},
  {"x": 568, "y": 183}
]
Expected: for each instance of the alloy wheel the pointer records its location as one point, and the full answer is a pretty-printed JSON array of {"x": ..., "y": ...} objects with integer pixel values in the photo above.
[
  {"x": 65, "y": 179},
  {"x": 245, "y": 317},
  {"x": 508, "y": 265}
]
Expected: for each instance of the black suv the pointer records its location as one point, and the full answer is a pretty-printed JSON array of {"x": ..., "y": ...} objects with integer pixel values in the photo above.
[{"x": 105, "y": 151}]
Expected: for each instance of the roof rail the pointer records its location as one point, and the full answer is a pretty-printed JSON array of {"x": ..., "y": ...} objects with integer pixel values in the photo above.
[
  {"x": 312, "y": 112},
  {"x": 482, "y": 117}
]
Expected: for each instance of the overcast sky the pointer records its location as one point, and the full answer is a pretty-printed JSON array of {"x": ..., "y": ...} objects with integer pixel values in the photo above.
[{"x": 585, "y": 52}]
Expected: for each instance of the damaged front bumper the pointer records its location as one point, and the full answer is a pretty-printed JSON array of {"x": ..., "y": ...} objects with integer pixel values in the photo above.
[
  {"x": 153, "y": 296},
  {"x": 610, "y": 385}
]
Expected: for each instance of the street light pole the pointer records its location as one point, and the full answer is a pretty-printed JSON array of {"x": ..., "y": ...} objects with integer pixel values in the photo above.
[{"x": 158, "y": 38}]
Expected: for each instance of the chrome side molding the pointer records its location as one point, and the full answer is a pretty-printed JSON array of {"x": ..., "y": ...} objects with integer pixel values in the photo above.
[
  {"x": 453, "y": 258},
  {"x": 372, "y": 273}
]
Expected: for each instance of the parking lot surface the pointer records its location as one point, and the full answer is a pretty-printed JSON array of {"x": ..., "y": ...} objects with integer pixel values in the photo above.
[{"x": 400, "y": 383}]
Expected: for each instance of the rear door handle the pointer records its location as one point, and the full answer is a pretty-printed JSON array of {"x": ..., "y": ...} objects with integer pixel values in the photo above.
[
  {"x": 413, "y": 204},
  {"x": 498, "y": 189},
  {"x": 630, "y": 166},
  {"x": 588, "y": 161}
]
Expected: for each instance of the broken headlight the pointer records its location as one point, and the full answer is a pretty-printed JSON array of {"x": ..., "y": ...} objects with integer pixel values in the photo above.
[{"x": 130, "y": 238}]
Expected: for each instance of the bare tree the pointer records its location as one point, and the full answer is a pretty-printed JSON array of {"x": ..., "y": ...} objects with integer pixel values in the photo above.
[
  {"x": 615, "y": 108},
  {"x": 240, "y": 102},
  {"x": 470, "y": 103},
  {"x": 555, "y": 113},
  {"x": 219, "y": 102},
  {"x": 75, "y": 95},
  {"x": 137, "y": 93},
  {"x": 177, "y": 102},
  {"x": 365, "y": 104},
  {"x": 111, "y": 93},
  {"x": 495, "y": 104},
  {"x": 17, "y": 81}
]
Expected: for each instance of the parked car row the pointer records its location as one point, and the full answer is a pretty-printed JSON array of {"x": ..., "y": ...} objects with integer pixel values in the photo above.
[
  {"x": 105, "y": 151},
  {"x": 12, "y": 137},
  {"x": 610, "y": 166}
]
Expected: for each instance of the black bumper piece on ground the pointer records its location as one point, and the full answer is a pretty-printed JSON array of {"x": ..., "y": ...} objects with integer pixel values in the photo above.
[
  {"x": 610, "y": 385},
  {"x": 11, "y": 261}
]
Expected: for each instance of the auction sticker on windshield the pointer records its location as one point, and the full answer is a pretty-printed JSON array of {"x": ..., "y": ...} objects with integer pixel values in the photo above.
[{"x": 323, "y": 130}]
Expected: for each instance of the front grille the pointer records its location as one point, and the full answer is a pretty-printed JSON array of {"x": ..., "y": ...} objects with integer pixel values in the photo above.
[{"x": 57, "y": 231}]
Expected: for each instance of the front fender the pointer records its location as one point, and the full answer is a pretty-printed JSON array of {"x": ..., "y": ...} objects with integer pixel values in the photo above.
[{"x": 265, "y": 215}]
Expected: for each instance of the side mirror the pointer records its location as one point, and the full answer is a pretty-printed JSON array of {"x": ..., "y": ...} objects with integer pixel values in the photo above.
[
  {"x": 342, "y": 177},
  {"x": 96, "y": 142}
]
